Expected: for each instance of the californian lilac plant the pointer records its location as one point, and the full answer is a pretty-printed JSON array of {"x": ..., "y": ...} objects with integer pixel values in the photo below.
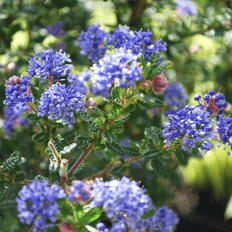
[
  {"x": 185, "y": 7},
  {"x": 120, "y": 67},
  {"x": 37, "y": 203},
  {"x": 18, "y": 91},
  {"x": 60, "y": 102},
  {"x": 92, "y": 43},
  {"x": 56, "y": 29},
  {"x": 125, "y": 203},
  {"x": 175, "y": 98},
  {"x": 14, "y": 118},
  {"x": 197, "y": 123},
  {"x": 49, "y": 65}
]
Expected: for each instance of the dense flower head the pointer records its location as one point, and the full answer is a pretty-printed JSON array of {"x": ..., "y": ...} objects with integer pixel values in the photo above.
[
  {"x": 60, "y": 101},
  {"x": 13, "y": 118},
  {"x": 185, "y": 7},
  {"x": 192, "y": 124},
  {"x": 79, "y": 191},
  {"x": 120, "y": 67},
  {"x": 137, "y": 42},
  {"x": 92, "y": 43},
  {"x": 49, "y": 65},
  {"x": 56, "y": 29},
  {"x": 37, "y": 203},
  {"x": 214, "y": 102},
  {"x": 125, "y": 203},
  {"x": 175, "y": 97},
  {"x": 18, "y": 91}
]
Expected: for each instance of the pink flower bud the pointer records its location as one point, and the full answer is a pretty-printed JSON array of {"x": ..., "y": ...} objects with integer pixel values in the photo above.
[
  {"x": 160, "y": 83},
  {"x": 65, "y": 227}
]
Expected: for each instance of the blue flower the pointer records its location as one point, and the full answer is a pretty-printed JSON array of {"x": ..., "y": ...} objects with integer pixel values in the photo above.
[
  {"x": 37, "y": 203},
  {"x": 120, "y": 67},
  {"x": 186, "y": 7},
  {"x": 60, "y": 102},
  {"x": 49, "y": 65},
  {"x": 13, "y": 117},
  {"x": 92, "y": 43},
  {"x": 18, "y": 91},
  {"x": 175, "y": 97},
  {"x": 56, "y": 29},
  {"x": 125, "y": 203}
]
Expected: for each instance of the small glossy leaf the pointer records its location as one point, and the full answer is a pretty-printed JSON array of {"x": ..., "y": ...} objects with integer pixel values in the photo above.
[
  {"x": 149, "y": 214},
  {"x": 39, "y": 137},
  {"x": 159, "y": 168}
]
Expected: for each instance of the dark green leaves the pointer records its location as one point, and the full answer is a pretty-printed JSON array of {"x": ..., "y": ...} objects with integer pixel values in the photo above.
[
  {"x": 152, "y": 102},
  {"x": 11, "y": 162},
  {"x": 152, "y": 154},
  {"x": 88, "y": 118},
  {"x": 122, "y": 120},
  {"x": 159, "y": 168},
  {"x": 32, "y": 117},
  {"x": 130, "y": 108},
  {"x": 83, "y": 141},
  {"x": 35, "y": 92},
  {"x": 115, "y": 148},
  {"x": 116, "y": 128},
  {"x": 116, "y": 93},
  {"x": 181, "y": 157},
  {"x": 153, "y": 133},
  {"x": 40, "y": 137}
]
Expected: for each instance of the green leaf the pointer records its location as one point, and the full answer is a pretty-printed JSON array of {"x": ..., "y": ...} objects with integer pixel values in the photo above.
[
  {"x": 117, "y": 170},
  {"x": 116, "y": 128},
  {"x": 88, "y": 118},
  {"x": 65, "y": 208},
  {"x": 116, "y": 93},
  {"x": 130, "y": 151},
  {"x": 54, "y": 172},
  {"x": 122, "y": 120},
  {"x": 92, "y": 215},
  {"x": 32, "y": 117},
  {"x": 159, "y": 69},
  {"x": 130, "y": 108},
  {"x": 142, "y": 104},
  {"x": 153, "y": 133},
  {"x": 20, "y": 176},
  {"x": 96, "y": 110},
  {"x": 132, "y": 95},
  {"x": 7, "y": 204},
  {"x": 134, "y": 145},
  {"x": 159, "y": 168},
  {"x": 154, "y": 59},
  {"x": 108, "y": 136},
  {"x": 11, "y": 162},
  {"x": 152, "y": 154},
  {"x": 115, "y": 148},
  {"x": 180, "y": 156},
  {"x": 35, "y": 92},
  {"x": 3, "y": 189},
  {"x": 60, "y": 143},
  {"x": 149, "y": 214},
  {"x": 68, "y": 149},
  {"x": 83, "y": 141},
  {"x": 115, "y": 110},
  {"x": 99, "y": 122},
  {"x": 39, "y": 137},
  {"x": 153, "y": 102}
]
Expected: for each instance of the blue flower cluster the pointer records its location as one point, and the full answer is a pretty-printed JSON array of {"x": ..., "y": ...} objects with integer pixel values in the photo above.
[
  {"x": 13, "y": 117},
  {"x": 125, "y": 203},
  {"x": 18, "y": 91},
  {"x": 37, "y": 203},
  {"x": 121, "y": 67},
  {"x": 56, "y": 29},
  {"x": 192, "y": 125},
  {"x": 175, "y": 98},
  {"x": 137, "y": 42},
  {"x": 93, "y": 43},
  {"x": 200, "y": 123},
  {"x": 186, "y": 7},
  {"x": 79, "y": 191},
  {"x": 49, "y": 65},
  {"x": 60, "y": 101}
]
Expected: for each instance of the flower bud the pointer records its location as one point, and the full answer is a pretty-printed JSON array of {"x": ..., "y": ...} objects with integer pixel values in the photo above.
[
  {"x": 147, "y": 84},
  {"x": 65, "y": 227},
  {"x": 160, "y": 83}
]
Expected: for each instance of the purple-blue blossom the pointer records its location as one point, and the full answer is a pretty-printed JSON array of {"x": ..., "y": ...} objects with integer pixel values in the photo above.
[
  {"x": 124, "y": 202},
  {"x": 49, "y": 65},
  {"x": 56, "y": 29},
  {"x": 60, "y": 102},
  {"x": 18, "y": 91},
  {"x": 93, "y": 43},
  {"x": 185, "y": 7},
  {"x": 37, "y": 203},
  {"x": 120, "y": 68}
]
